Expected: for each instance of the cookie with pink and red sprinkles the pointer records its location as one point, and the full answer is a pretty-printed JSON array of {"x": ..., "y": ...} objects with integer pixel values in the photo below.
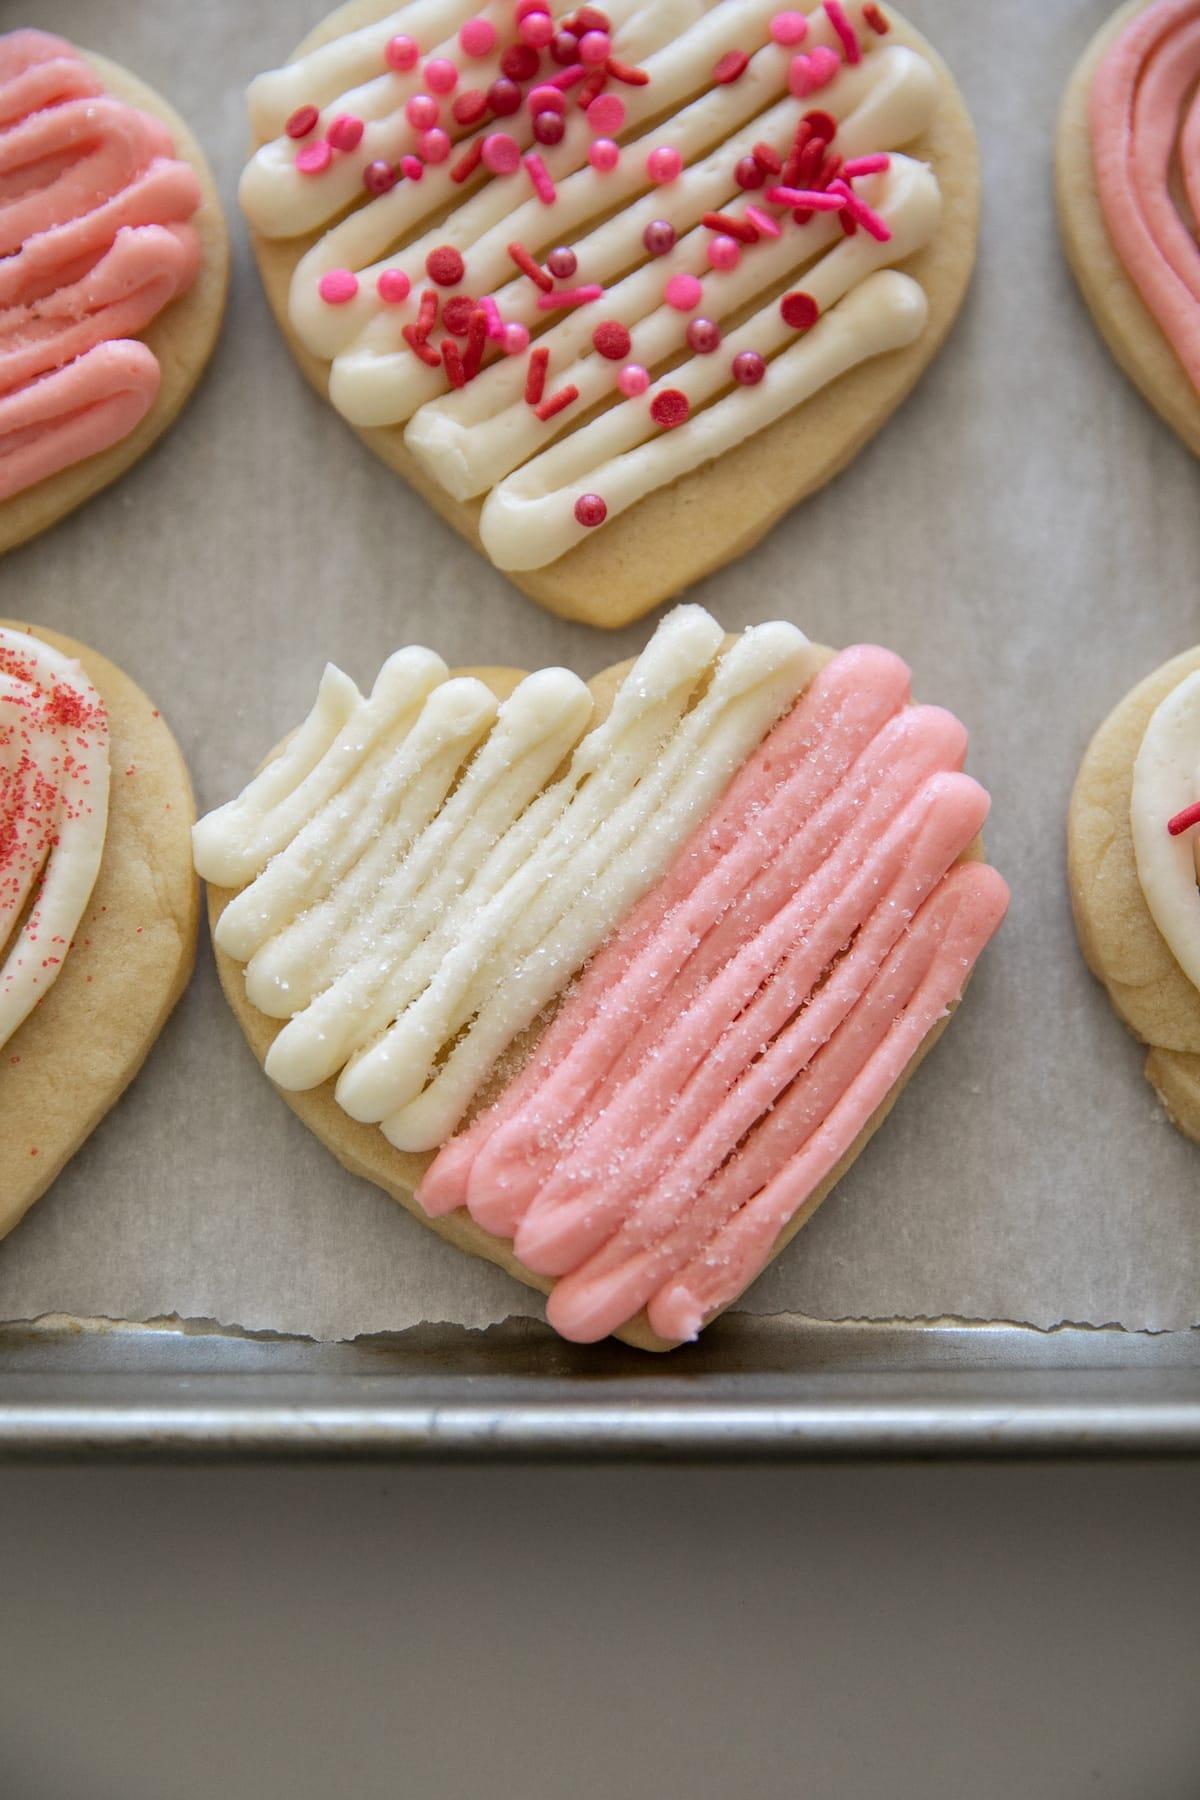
[{"x": 613, "y": 289}]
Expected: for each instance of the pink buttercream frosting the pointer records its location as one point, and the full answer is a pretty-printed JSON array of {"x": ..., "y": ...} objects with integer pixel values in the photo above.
[
  {"x": 1144, "y": 117},
  {"x": 722, "y": 1052},
  {"x": 95, "y": 240}
]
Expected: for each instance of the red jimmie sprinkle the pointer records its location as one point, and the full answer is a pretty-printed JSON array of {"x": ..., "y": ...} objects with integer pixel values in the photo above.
[
  {"x": 445, "y": 266},
  {"x": 767, "y": 159},
  {"x": 476, "y": 339},
  {"x": 590, "y": 87},
  {"x": 469, "y": 106},
  {"x": 467, "y": 165},
  {"x": 302, "y": 121},
  {"x": 612, "y": 340},
  {"x": 876, "y": 18},
  {"x": 588, "y": 18},
  {"x": 556, "y": 402},
  {"x": 741, "y": 229},
  {"x": 728, "y": 67},
  {"x": 622, "y": 72},
  {"x": 535, "y": 379},
  {"x": 800, "y": 311},
  {"x": 1183, "y": 821},
  {"x": 527, "y": 266},
  {"x": 456, "y": 375},
  {"x": 426, "y": 314},
  {"x": 670, "y": 408},
  {"x": 418, "y": 345}
]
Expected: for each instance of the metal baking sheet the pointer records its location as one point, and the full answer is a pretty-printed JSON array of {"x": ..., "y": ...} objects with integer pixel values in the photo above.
[{"x": 1025, "y": 533}]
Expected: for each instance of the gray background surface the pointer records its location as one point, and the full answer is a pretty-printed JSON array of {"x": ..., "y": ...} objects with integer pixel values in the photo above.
[{"x": 1026, "y": 533}]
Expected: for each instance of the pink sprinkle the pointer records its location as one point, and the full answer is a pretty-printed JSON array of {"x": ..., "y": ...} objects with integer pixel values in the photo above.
[
  {"x": 808, "y": 73},
  {"x": 568, "y": 77},
  {"x": 491, "y": 312},
  {"x": 789, "y": 28},
  {"x": 835, "y": 12},
  {"x": 577, "y": 296},
  {"x": 477, "y": 37},
  {"x": 724, "y": 252},
  {"x": 393, "y": 286},
  {"x": 763, "y": 222},
  {"x": 862, "y": 214},
  {"x": 866, "y": 165},
  {"x": 302, "y": 121},
  {"x": 412, "y": 166},
  {"x": 433, "y": 146},
  {"x": 595, "y": 47},
  {"x": 603, "y": 155},
  {"x": 664, "y": 164},
  {"x": 812, "y": 199},
  {"x": 536, "y": 29},
  {"x": 590, "y": 510},
  {"x": 545, "y": 98},
  {"x": 501, "y": 153},
  {"x": 314, "y": 159},
  {"x": 345, "y": 132},
  {"x": 338, "y": 286},
  {"x": 683, "y": 292},
  {"x": 516, "y": 338},
  {"x": 539, "y": 174},
  {"x": 441, "y": 76},
  {"x": 633, "y": 380},
  {"x": 422, "y": 112},
  {"x": 401, "y": 53},
  {"x": 606, "y": 114}
]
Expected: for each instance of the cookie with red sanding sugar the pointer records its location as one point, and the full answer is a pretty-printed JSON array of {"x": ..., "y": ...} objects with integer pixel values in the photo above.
[
  {"x": 98, "y": 920},
  {"x": 95, "y": 370},
  {"x": 608, "y": 984},
  {"x": 612, "y": 290},
  {"x": 1129, "y": 237}
]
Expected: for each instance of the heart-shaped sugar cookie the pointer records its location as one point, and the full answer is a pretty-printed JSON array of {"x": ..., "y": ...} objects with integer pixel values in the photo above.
[
  {"x": 698, "y": 221},
  {"x": 606, "y": 985}
]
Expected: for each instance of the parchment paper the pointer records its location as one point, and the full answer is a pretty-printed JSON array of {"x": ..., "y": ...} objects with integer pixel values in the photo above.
[{"x": 1026, "y": 533}]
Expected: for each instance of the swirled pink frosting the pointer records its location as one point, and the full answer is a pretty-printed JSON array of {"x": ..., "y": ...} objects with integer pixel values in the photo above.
[
  {"x": 1144, "y": 117},
  {"x": 723, "y": 1051},
  {"x": 95, "y": 240}
]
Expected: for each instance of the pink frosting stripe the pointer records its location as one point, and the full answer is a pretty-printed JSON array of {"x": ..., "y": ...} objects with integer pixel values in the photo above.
[
  {"x": 790, "y": 962},
  {"x": 846, "y": 704},
  {"x": 94, "y": 242},
  {"x": 1142, "y": 109}
]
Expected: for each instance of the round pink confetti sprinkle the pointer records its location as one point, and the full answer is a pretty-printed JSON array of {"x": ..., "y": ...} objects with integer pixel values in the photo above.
[
  {"x": 525, "y": 7},
  {"x": 314, "y": 159},
  {"x": 441, "y": 76},
  {"x": 789, "y": 28},
  {"x": 379, "y": 177},
  {"x": 434, "y": 146},
  {"x": 546, "y": 98},
  {"x": 338, "y": 286},
  {"x": 501, "y": 153},
  {"x": 516, "y": 338},
  {"x": 808, "y": 73},
  {"x": 703, "y": 336},
  {"x": 664, "y": 164},
  {"x": 606, "y": 114},
  {"x": 422, "y": 112},
  {"x": 562, "y": 262},
  {"x": 595, "y": 47},
  {"x": 633, "y": 380},
  {"x": 393, "y": 286},
  {"x": 477, "y": 37},
  {"x": 345, "y": 132},
  {"x": 549, "y": 128},
  {"x": 748, "y": 368},
  {"x": 412, "y": 166},
  {"x": 536, "y": 29},
  {"x": 683, "y": 292},
  {"x": 401, "y": 53},
  {"x": 590, "y": 509},
  {"x": 603, "y": 155},
  {"x": 724, "y": 252}
]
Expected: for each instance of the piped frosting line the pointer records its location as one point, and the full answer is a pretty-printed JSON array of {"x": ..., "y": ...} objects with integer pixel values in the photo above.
[
  {"x": 1142, "y": 113},
  {"x": 54, "y": 778}
]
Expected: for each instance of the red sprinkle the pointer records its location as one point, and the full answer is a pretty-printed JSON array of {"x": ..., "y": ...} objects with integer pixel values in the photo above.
[
  {"x": 576, "y": 296},
  {"x": 467, "y": 165},
  {"x": 835, "y": 12},
  {"x": 767, "y": 159},
  {"x": 527, "y": 266},
  {"x": 556, "y": 402},
  {"x": 566, "y": 78},
  {"x": 456, "y": 375},
  {"x": 445, "y": 266},
  {"x": 730, "y": 66},
  {"x": 866, "y": 165},
  {"x": 456, "y": 314},
  {"x": 469, "y": 106},
  {"x": 800, "y": 311},
  {"x": 1183, "y": 821},
  {"x": 590, "y": 509},
  {"x": 591, "y": 87},
  {"x": 741, "y": 229},
  {"x": 302, "y": 121},
  {"x": 427, "y": 314},
  {"x": 589, "y": 18},
  {"x": 417, "y": 344},
  {"x": 822, "y": 123},
  {"x": 477, "y": 326},
  {"x": 670, "y": 408},
  {"x": 539, "y": 174},
  {"x": 535, "y": 378},
  {"x": 520, "y": 62},
  {"x": 622, "y": 72},
  {"x": 612, "y": 340},
  {"x": 876, "y": 18}
]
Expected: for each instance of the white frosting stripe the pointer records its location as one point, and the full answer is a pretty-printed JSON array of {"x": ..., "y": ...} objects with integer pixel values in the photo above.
[
  {"x": 54, "y": 777},
  {"x": 409, "y": 920}
]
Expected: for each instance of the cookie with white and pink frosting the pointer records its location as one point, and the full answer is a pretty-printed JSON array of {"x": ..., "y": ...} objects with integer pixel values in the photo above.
[
  {"x": 1127, "y": 169},
  {"x": 608, "y": 984},
  {"x": 98, "y": 903},
  {"x": 113, "y": 269},
  {"x": 612, "y": 288}
]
